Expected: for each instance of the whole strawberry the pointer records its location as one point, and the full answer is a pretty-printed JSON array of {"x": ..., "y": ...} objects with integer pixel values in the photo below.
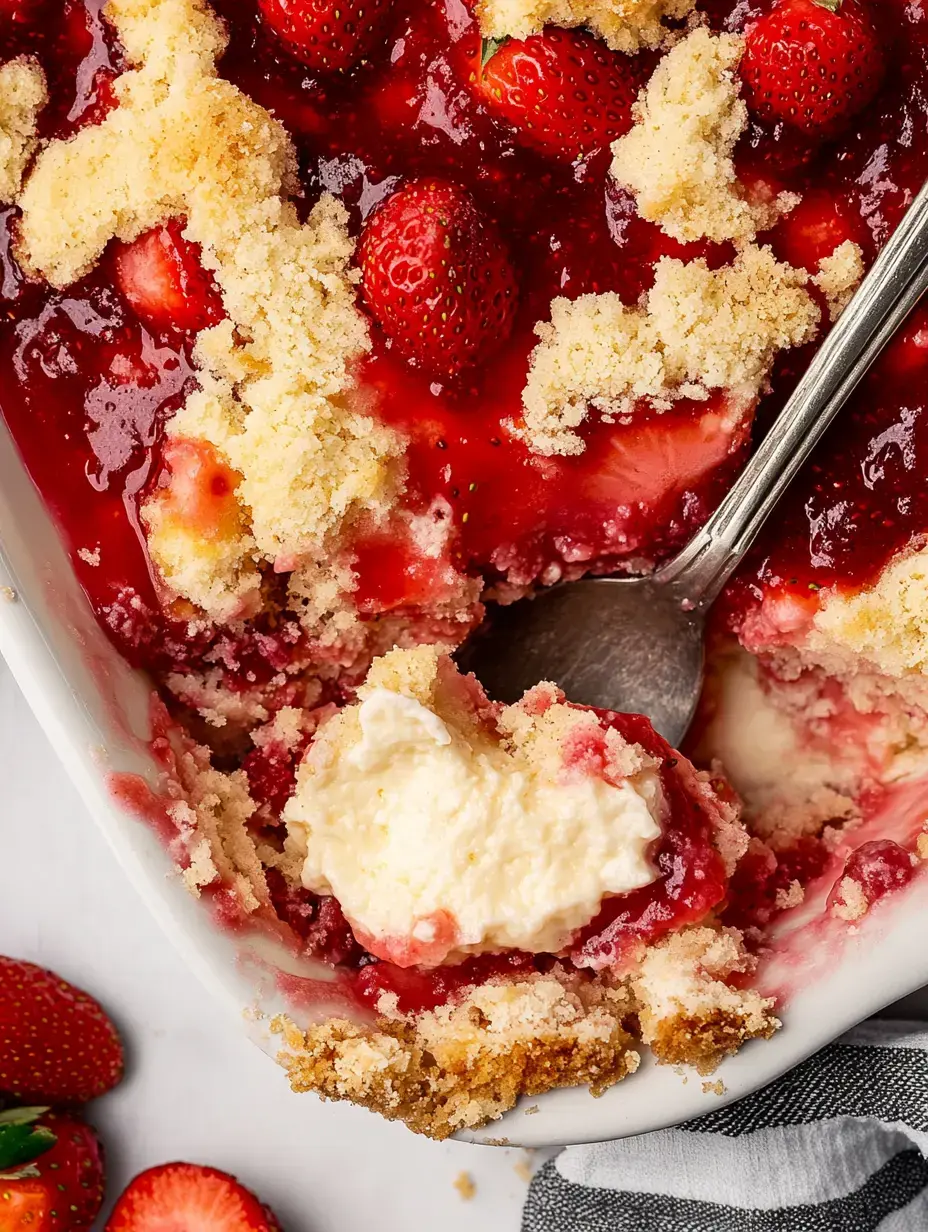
[
  {"x": 564, "y": 92},
  {"x": 330, "y": 36},
  {"x": 189, "y": 1198},
  {"x": 813, "y": 64},
  {"x": 52, "y": 1172},
  {"x": 437, "y": 276},
  {"x": 57, "y": 1046}
]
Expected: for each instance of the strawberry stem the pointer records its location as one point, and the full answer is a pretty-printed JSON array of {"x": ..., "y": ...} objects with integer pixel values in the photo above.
[
  {"x": 489, "y": 48},
  {"x": 831, "y": 5},
  {"x": 20, "y": 1139}
]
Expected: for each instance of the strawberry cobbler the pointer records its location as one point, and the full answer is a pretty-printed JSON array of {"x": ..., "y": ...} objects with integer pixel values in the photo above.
[{"x": 327, "y": 325}]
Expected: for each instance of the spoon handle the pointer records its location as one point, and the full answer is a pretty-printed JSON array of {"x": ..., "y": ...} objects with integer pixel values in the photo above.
[{"x": 894, "y": 285}]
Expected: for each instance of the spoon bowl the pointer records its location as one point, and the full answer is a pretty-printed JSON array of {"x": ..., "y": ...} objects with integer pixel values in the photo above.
[{"x": 633, "y": 645}]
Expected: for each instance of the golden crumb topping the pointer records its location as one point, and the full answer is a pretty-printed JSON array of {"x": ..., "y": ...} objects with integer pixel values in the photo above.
[
  {"x": 699, "y": 330},
  {"x": 688, "y": 1009},
  {"x": 885, "y": 625},
  {"x": 22, "y": 97},
  {"x": 462, "y": 1065},
  {"x": 274, "y": 396},
  {"x": 624, "y": 25},
  {"x": 677, "y": 159},
  {"x": 839, "y": 276}
]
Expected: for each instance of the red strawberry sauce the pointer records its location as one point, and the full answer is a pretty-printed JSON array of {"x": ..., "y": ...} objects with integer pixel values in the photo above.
[{"x": 85, "y": 387}]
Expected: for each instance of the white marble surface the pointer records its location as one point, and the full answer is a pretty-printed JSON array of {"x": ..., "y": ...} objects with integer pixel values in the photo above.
[{"x": 196, "y": 1090}]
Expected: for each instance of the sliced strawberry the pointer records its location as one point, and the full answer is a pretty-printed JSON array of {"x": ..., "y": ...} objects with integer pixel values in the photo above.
[
  {"x": 56, "y": 1043},
  {"x": 563, "y": 91},
  {"x": 813, "y": 64},
  {"x": 182, "y": 1197},
  {"x": 200, "y": 493},
  {"x": 437, "y": 276},
  {"x": 328, "y": 35},
  {"x": 25, "y": 1206},
  {"x": 162, "y": 277},
  {"x": 813, "y": 229},
  {"x": 667, "y": 454}
]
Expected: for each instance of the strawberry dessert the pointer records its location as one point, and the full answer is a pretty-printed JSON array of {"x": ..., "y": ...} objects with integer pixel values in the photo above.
[{"x": 327, "y": 326}]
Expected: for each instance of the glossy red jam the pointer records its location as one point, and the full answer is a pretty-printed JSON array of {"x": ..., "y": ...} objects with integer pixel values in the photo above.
[
  {"x": 878, "y": 868},
  {"x": 86, "y": 387}
]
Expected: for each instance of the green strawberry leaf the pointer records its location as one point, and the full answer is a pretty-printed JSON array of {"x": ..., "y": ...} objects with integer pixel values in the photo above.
[
  {"x": 831, "y": 5},
  {"x": 489, "y": 48},
  {"x": 21, "y": 1140}
]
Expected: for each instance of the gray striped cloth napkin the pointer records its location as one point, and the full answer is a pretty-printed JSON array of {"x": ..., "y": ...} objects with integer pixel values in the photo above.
[{"x": 839, "y": 1143}]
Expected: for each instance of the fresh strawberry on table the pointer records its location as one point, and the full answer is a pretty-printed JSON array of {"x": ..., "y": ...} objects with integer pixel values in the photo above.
[
  {"x": 183, "y": 1197},
  {"x": 437, "y": 277},
  {"x": 813, "y": 64},
  {"x": 563, "y": 91},
  {"x": 57, "y": 1046},
  {"x": 51, "y": 1172},
  {"x": 163, "y": 278},
  {"x": 328, "y": 35}
]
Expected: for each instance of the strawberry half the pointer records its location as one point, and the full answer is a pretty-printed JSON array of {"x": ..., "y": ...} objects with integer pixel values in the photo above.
[
  {"x": 57, "y": 1046},
  {"x": 189, "y": 1198},
  {"x": 328, "y": 35},
  {"x": 162, "y": 277},
  {"x": 564, "y": 92},
  {"x": 437, "y": 276},
  {"x": 52, "y": 1172},
  {"x": 813, "y": 64},
  {"x": 813, "y": 229}
]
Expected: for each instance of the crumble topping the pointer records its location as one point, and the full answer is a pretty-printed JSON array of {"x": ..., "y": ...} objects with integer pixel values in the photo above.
[
  {"x": 624, "y": 25},
  {"x": 677, "y": 160},
  {"x": 441, "y": 834},
  {"x": 274, "y": 398},
  {"x": 462, "y": 1065},
  {"x": 22, "y": 97},
  {"x": 851, "y": 902},
  {"x": 687, "y": 1009},
  {"x": 839, "y": 276},
  {"x": 886, "y": 625},
  {"x": 699, "y": 330}
]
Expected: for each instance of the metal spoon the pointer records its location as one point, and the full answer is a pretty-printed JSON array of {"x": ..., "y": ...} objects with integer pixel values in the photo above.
[{"x": 636, "y": 644}]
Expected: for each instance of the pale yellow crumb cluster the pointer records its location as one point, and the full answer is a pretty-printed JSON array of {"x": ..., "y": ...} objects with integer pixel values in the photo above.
[
  {"x": 699, "y": 330},
  {"x": 275, "y": 383},
  {"x": 885, "y": 625},
  {"x": 850, "y": 903},
  {"x": 211, "y": 812},
  {"x": 687, "y": 1008},
  {"x": 677, "y": 160},
  {"x": 465, "y": 1185},
  {"x": 839, "y": 275},
  {"x": 22, "y": 97},
  {"x": 624, "y": 25},
  {"x": 532, "y": 733}
]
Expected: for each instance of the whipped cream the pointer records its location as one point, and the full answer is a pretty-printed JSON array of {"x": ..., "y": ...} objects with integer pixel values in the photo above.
[{"x": 439, "y": 841}]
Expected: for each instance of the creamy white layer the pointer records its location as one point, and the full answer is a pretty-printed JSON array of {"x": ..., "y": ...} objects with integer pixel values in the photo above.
[{"x": 439, "y": 841}]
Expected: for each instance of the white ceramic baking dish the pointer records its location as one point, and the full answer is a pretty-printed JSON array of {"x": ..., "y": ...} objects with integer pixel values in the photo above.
[{"x": 95, "y": 712}]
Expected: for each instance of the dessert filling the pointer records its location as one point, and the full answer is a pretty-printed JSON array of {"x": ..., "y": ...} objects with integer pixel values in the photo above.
[
  {"x": 441, "y": 835},
  {"x": 322, "y": 331}
]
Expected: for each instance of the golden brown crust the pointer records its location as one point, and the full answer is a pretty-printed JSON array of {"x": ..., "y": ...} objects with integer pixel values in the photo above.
[
  {"x": 463, "y": 1065},
  {"x": 460, "y": 1067},
  {"x": 704, "y": 1042}
]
